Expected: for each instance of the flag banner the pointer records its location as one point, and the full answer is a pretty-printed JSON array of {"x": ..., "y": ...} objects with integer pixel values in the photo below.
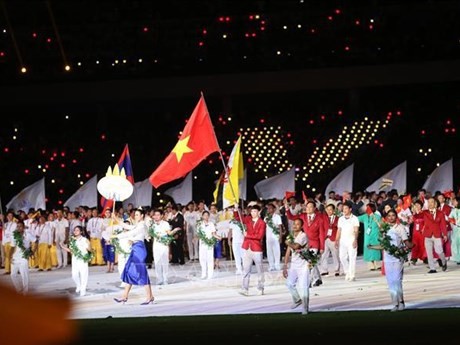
[
  {"x": 441, "y": 179},
  {"x": 243, "y": 185},
  {"x": 235, "y": 171},
  {"x": 142, "y": 194},
  {"x": 182, "y": 193},
  {"x": 218, "y": 191},
  {"x": 276, "y": 186},
  {"x": 197, "y": 141},
  {"x": 86, "y": 195},
  {"x": 124, "y": 162},
  {"x": 343, "y": 182},
  {"x": 393, "y": 179},
  {"x": 32, "y": 196}
]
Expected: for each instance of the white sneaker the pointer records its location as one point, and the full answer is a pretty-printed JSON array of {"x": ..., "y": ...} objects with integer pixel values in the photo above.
[
  {"x": 401, "y": 306},
  {"x": 395, "y": 308},
  {"x": 244, "y": 292},
  {"x": 82, "y": 293},
  {"x": 260, "y": 292},
  {"x": 305, "y": 312},
  {"x": 296, "y": 304}
]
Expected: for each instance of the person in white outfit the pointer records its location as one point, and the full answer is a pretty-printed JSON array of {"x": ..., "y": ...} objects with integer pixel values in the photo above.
[
  {"x": 394, "y": 264},
  {"x": 206, "y": 231},
  {"x": 272, "y": 238},
  {"x": 162, "y": 237},
  {"x": 20, "y": 251},
  {"x": 347, "y": 240},
  {"x": 191, "y": 217},
  {"x": 298, "y": 274},
  {"x": 122, "y": 245},
  {"x": 80, "y": 248},
  {"x": 236, "y": 238},
  {"x": 61, "y": 236}
]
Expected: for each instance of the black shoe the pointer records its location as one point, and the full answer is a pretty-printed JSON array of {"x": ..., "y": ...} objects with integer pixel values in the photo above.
[
  {"x": 337, "y": 274},
  {"x": 440, "y": 262},
  {"x": 317, "y": 283},
  {"x": 425, "y": 261},
  {"x": 432, "y": 271},
  {"x": 325, "y": 274},
  {"x": 444, "y": 267}
]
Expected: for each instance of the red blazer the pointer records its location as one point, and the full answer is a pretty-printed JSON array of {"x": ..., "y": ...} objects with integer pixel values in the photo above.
[
  {"x": 254, "y": 234},
  {"x": 446, "y": 210},
  {"x": 331, "y": 225},
  {"x": 316, "y": 230},
  {"x": 434, "y": 226}
]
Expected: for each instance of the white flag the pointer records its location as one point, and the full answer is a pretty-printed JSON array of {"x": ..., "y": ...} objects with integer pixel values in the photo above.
[
  {"x": 441, "y": 179},
  {"x": 142, "y": 194},
  {"x": 342, "y": 182},
  {"x": 276, "y": 186},
  {"x": 86, "y": 195},
  {"x": 393, "y": 179},
  {"x": 182, "y": 193},
  {"x": 30, "y": 197},
  {"x": 243, "y": 185}
]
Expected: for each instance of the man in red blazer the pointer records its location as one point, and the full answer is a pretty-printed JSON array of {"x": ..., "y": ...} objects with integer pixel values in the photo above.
[
  {"x": 314, "y": 226},
  {"x": 331, "y": 220},
  {"x": 254, "y": 234},
  {"x": 435, "y": 232}
]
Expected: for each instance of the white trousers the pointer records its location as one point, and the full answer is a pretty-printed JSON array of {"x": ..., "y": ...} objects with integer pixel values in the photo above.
[
  {"x": 238, "y": 254},
  {"x": 329, "y": 250},
  {"x": 394, "y": 274},
  {"x": 431, "y": 242},
  {"x": 206, "y": 261},
  {"x": 192, "y": 245},
  {"x": 161, "y": 260},
  {"x": 348, "y": 256},
  {"x": 61, "y": 253},
  {"x": 80, "y": 275},
  {"x": 248, "y": 258},
  {"x": 273, "y": 253},
  {"x": 298, "y": 284},
  {"x": 21, "y": 280}
]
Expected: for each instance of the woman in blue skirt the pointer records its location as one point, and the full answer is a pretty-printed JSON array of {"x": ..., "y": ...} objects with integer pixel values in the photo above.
[{"x": 135, "y": 271}]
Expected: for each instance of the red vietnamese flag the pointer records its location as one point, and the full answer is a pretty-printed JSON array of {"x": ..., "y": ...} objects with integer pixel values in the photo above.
[
  {"x": 197, "y": 141},
  {"x": 407, "y": 202},
  {"x": 369, "y": 210}
]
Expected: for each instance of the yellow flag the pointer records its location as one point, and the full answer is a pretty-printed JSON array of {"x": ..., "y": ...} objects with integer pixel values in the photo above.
[{"x": 235, "y": 173}]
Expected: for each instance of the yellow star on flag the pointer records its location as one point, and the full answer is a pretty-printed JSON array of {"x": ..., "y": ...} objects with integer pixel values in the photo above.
[{"x": 181, "y": 148}]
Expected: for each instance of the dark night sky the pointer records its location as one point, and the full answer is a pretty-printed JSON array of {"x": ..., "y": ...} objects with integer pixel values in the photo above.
[{"x": 151, "y": 126}]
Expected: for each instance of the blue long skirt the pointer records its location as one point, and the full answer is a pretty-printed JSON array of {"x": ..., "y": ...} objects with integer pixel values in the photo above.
[{"x": 135, "y": 271}]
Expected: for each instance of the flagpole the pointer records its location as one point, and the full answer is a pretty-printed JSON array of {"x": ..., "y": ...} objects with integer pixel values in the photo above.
[{"x": 225, "y": 169}]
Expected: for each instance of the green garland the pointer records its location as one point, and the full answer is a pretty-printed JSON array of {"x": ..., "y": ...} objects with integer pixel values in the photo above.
[
  {"x": 116, "y": 244},
  {"x": 18, "y": 238},
  {"x": 269, "y": 222},
  {"x": 77, "y": 252},
  {"x": 240, "y": 225},
  {"x": 210, "y": 242},
  {"x": 166, "y": 239},
  {"x": 309, "y": 255},
  {"x": 385, "y": 242},
  {"x": 290, "y": 238}
]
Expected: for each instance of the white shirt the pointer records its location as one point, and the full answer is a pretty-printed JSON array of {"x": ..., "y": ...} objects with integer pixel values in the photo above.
[
  {"x": 296, "y": 259},
  {"x": 398, "y": 235},
  {"x": 18, "y": 252},
  {"x": 95, "y": 226},
  {"x": 135, "y": 232},
  {"x": 276, "y": 220},
  {"x": 161, "y": 229},
  {"x": 347, "y": 228},
  {"x": 8, "y": 230},
  {"x": 208, "y": 229},
  {"x": 82, "y": 244}
]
